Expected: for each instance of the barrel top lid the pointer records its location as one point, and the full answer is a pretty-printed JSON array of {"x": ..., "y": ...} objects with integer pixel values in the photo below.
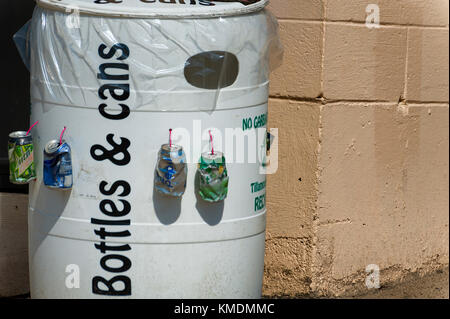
[{"x": 156, "y": 8}]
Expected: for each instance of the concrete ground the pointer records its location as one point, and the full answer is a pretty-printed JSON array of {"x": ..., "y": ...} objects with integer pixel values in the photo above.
[
  {"x": 433, "y": 286},
  {"x": 413, "y": 286}
]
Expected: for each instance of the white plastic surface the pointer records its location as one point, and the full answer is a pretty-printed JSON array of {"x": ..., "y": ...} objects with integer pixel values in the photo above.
[
  {"x": 178, "y": 248},
  {"x": 157, "y": 8}
]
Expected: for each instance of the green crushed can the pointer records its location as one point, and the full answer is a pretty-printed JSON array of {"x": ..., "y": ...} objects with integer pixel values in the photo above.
[
  {"x": 21, "y": 159},
  {"x": 213, "y": 177}
]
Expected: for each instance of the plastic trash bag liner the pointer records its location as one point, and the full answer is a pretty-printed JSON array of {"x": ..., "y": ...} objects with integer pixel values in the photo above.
[
  {"x": 170, "y": 64},
  {"x": 21, "y": 39}
]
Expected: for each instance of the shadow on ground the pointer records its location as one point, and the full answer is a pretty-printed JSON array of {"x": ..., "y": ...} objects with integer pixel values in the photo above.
[
  {"x": 433, "y": 286},
  {"x": 414, "y": 286}
]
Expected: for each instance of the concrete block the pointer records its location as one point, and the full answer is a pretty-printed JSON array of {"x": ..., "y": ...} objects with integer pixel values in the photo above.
[
  {"x": 405, "y": 12},
  {"x": 364, "y": 64},
  {"x": 427, "y": 73},
  {"x": 301, "y": 10},
  {"x": 291, "y": 192},
  {"x": 301, "y": 73},
  {"x": 287, "y": 267}
]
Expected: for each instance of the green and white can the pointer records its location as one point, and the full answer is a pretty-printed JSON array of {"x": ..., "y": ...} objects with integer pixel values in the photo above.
[
  {"x": 213, "y": 177},
  {"x": 21, "y": 159}
]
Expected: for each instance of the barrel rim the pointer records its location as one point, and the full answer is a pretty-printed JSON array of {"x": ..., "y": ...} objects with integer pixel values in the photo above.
[{"x": 152, "y": 10}]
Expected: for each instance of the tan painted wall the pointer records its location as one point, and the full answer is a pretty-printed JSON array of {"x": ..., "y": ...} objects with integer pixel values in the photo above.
[{"x": 363, "y": 120}]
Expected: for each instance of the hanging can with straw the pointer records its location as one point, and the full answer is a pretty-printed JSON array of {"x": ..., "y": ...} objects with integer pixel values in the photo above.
[
  {"x": 58, "y": 164},
  {"x": 171, "y": 170},
  {"x": 21, "y": 159},
  {"x": 213, "y": 176}
]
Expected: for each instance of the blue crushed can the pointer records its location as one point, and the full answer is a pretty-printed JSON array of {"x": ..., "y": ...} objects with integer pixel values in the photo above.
[
  {"x": 171, "y": 171},
  {"x": 58, "y": 165}
]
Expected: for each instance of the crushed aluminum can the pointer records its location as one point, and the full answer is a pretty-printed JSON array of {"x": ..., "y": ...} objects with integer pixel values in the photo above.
[
  {"x": 58, "y": 165},
  {"x": 171, "y": 171},
  {"x": 213, "y": 177},
  {"x": 21, "y": 159}
]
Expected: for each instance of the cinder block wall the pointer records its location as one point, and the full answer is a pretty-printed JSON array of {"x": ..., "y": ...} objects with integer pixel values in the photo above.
[{"x": 363, "y": 169}]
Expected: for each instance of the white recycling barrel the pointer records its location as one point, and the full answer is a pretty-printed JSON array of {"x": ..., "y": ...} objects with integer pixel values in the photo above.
[{"x": 119, "y": 75}]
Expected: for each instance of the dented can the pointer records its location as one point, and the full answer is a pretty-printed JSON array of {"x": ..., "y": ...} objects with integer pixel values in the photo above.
[
  {"x": 171, "y": 171},
  {"x": 58, "y": 165},
  {"x": 21, "y": 158},
  {"x": 213, "y": 177}
]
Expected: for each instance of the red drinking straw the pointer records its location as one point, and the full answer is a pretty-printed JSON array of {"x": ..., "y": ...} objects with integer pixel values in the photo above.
[
  {"x": 212, "y": 145},
  {"x": 61, "y": 136},
  {"x": 29, "y": 130},
  {"x": 170, "y": 138}
]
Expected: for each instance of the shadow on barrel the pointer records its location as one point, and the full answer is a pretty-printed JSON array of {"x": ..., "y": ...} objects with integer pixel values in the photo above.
[
  {"x": 167, "y": 208},
  {"x": 45, "y": 211},
  {"x": 211, "y": 213}
]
